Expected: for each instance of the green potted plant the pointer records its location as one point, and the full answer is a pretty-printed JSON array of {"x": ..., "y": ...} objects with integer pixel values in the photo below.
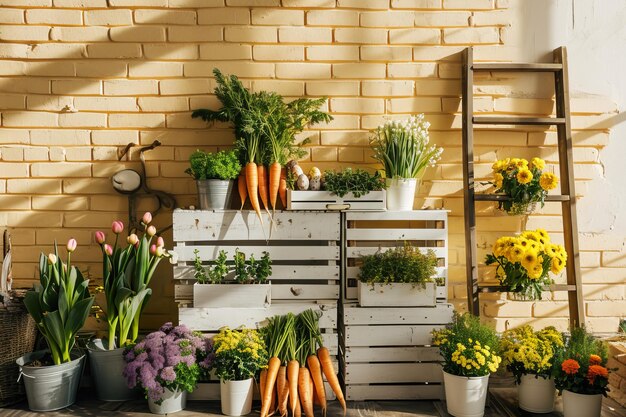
[
  {"x": 215, "y": 175},
  {"x": 531, "y": 357},
  {"x": 582, "y": 376},
  {"x": 59, "y": 305},
  {"x": 470, "y": 354},
  {"x": 217, "y": 285},
  {"x": 402, "y": 148},
  {"x": 127, "y": 272},
  {"x": 399, "y": 277}
]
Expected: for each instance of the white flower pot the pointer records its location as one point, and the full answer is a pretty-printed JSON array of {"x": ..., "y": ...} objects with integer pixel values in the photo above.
[
  {"x": 465, "y": 396},
  {"x": 232, "y": 295},
  {"x": 536, "y": 394},
  {"x": 401, "y": 193},
  {"x": 236, "y": 397},
  {"x": 397, "y": 294},
  {"x": 581, "y": 405},
  {"x": 173, "y": 401}
]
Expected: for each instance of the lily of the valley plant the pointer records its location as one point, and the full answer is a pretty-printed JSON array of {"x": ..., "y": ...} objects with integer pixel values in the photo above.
[
  {"x": 126, "y": 274},
  {"x": 60, "y": 303}
]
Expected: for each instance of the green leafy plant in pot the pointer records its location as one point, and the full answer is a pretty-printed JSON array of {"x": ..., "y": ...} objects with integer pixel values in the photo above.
[
  {"x": 127, "y": 272},
  {"x": 59, "y": 304},
  {"x": 402, "y": 147},
  {"x": 214, "y": 174}
]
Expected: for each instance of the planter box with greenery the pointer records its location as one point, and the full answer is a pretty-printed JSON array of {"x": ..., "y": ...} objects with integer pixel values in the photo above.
[
  {"x": 399, "y": 277},
  {"x": 214, "y": 174},
  {"x": 217, "y": 286}
]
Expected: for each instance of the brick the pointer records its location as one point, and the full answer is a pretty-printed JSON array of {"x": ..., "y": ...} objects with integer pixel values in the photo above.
[
  {"x": 342, "y": 122},
  {"x": 170, "y": 52},
  {"x": 524, "y": 106},
  {"x": 449, "y": 70},
  {"x": 468, "y": 36},
  {"x": 437, "y": 87},
  {"x": 332, "y": 53},
  {"x": 36, "y": 154},
  {"x": 77, "y": 87},
  {"x": 14, "y": 202},
  {"x": 414, "y": 105},
  {"x": 57, "y": 153},
  {"x": 350, "y": 154},
  {"x": 130, "y": 87},
  {"x": 319, "y": 154},
  {"x": 606, "y": 308},
  {"x": 387, "y": 88},
  {"x": 82, "y": 120},
  {"x": 103, "y": 153},
  {"x": 359, "y": 70},
  {"x": 184, "y": 121},
  {"x": 26, "y": 119},
  {"x": 138, "y": 3},
  {"x": 592, "y": 105},
  {"x": 442, "y": 19},
  {"x": 163, "y": 104},
  {"x": 253, "y": 3},
  {"x": 506, "y": 309},
  {"x": 250, "y": 34},
  {"x": 305, "y": 35},
  {"x": 168, "y": 17},
  {"x": 14, "y": 170},
  {"x": 60, "y": 169},
  {"x": 278, "y": 53},
  {"x": 80, "y": 4},
  {"x": 602, "y": 324},
  {"x": 59, "y": 137},
  {"x": 78, "y": 154},
  {"x": 364, "y": 4},
  {"x": 60, "y": 203},
  {"x": 550, "y": 309},
  {"x": 55, "y": 51},
  {"x": 195, "y": 3},
  {"x": 225, "y": 51},
  {"x": 468, "y": 4},
  {"x": 101, "y": 69},
  {"x": 350, "y": 138},
  {"x": 277, "y": 17},
  {"x": 492, "y": 18},
  {"x": 361, "y": 35},
  {"x": 302, "y": 71},
  {"x": 415, "y": 36},
  {"x": 386, "y": 53},
  {"x": 204, "y": 102},
  {"x": 24, "y": 33},
  {"x": 49, "y": 68},
  {"x": 12, "y": 67},
  {"x": 50, "y": 103},
  {"x": 118, "y": 51},
  {"x": 357, "y": 105},
  {"x": 191, "y": 86},
  {"x": 12, "y": 102},
  {"x": 332, "y": 88},
  {"x": 12, "y": 153},
  {"x": 8, "y": 50},
  {"x": 332, "y": 18},
  {"x": 309, "y": 3},
  {"x": 242, "y": 69},
  {"x": 105, "y": 104},
  {"x": 114, "y": 17},
  {"x": 34, "y": 186},
  {"x": 136, "y": 120},
  {"x": 194, "y": 34},
  {"x": 79, "y": 34},
  {"x": 155, "y": 69},
  {"x": 387, "y": 19},
  {"x": 54, "y": 16},
  {"x": 114, "y": 137},
  {"x": 224, "y": 16},
  {"x": 416, "y": 4},
  {"x": 11, "y": 16},
  {"x": 481, "y": 105},
  {"x": 412, "y": 70},
  {"x": 26, "y": 219},
  {"x": 137, "y": 34}
]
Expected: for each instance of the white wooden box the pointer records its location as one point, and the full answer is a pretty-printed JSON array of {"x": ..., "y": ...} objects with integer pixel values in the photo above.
[
  {"x": 325, "y": 200},
  {"x": 232, "y": 295},
  {"x": 369, "y": 232},
  {"x": 397, "y": 294}
]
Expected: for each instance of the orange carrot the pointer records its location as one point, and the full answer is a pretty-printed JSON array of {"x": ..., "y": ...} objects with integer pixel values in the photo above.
[
  {"x": 282, "y": 389},
  {"x": 282, "y": 187},
  {"x": 252, "y": 183},
  {"x": 241, "y": 185},
  {"x": 298, "y": 410},
  {"x": 262, "y": 381},
  {"x": 329, "y": 371},
  {"x": 318, "y": 382},
  {"x": 274, "y": 183},
  {"x": 293, "y": 368},
  {"x": 263, "y": 186},
  {"x": 272, "y": 372},
  {"x": 305, "y": 391},
  {"x": 273, "y": 408}
]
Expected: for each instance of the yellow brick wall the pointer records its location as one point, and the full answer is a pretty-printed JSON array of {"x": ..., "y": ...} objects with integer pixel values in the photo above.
[{"x": 80, "y": 79}]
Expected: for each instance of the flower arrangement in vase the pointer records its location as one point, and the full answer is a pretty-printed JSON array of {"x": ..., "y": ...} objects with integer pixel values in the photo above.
[
  {"x": 524, "y": 183},
  {"x": 523, "y": 263}
]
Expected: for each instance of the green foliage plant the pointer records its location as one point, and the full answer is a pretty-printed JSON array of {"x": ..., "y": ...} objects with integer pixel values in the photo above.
[
  {"x": 357, "y": 182},
  {"x": 404, "y": 264},
  {"x": 245, "y": 271},
  {"x": 239, "y": 354},
  {"x": 223, "y": 165}
]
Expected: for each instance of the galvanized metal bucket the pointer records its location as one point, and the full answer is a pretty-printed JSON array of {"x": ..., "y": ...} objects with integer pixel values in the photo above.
[
  {"x": 106, "y": 368},
  {"x": 214, "y": 194}
]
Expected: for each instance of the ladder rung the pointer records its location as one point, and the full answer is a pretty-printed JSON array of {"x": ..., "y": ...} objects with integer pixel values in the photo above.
[
  {"x": 489, "y": 288},
  {"x": 494, "y": 120},
  {"x": 500, "y": 197},
  {"x": 518, "y": 67}
]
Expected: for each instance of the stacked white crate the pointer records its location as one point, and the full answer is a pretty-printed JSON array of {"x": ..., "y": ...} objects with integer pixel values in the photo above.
[
  {"x": 305, "y": 252},
  {"x": 385, "y": 351}
]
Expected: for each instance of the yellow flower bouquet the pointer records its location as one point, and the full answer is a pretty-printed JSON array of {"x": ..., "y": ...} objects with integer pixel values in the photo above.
[
  {"x": 238, "y": 354},
  {"x": 524, "y": 183},
  {"x": 523, "y": 263}
]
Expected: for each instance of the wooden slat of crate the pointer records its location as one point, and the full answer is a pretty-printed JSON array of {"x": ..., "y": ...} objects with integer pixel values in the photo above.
[
  {"x": 276, "y": 253},
  {"x": 280, "y": 272},
  {"x": 183, "y": 293},
  {"x": 397, "y": 335},
  {"x": 363, "y": 316},
  {"x": 324, "y": 200},
  {"x": 392, "y": 354},
  {"x": 365, "y": 373},
  {"x": 394, "y": 392}
]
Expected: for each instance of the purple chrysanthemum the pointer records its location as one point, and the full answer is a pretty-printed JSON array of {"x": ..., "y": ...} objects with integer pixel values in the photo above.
[{"x": 168, "y": 374}]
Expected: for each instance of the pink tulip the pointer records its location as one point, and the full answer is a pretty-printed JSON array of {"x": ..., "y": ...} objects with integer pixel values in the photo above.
[
  {"x": 117, "y": 227},
  {"x": 108, "y": 249},
  {"x": 137, "y": 244},
  {"x": 71, "y": 245},
  {"x": 160, "y": 242},
  {"x": 153, "y": 249},
  {"x": 147, "y": 218},
  {"x": 151, "y": 231},
  {"x": 132, "y": 239},
  {"x": 52, "y": 259},
  {"x": 100, "y": 237},
  {"x": 160, "y": 251}
]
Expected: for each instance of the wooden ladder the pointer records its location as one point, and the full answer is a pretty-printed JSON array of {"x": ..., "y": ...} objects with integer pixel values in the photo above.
[{"x": 567, "y": 198}]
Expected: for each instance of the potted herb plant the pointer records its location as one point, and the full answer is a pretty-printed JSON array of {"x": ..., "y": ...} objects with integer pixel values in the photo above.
[
  {"x": 402, "y": 148},
  {"x": 523, "y": 184},
  {"x": 523, "y": 263},
  {"x": 215, "y": 284},
  {"x": 215, "y": 175},
  {"x": 127, "y": 272},
  {"x": 532, "y": 358},
  {"x": 167, "y": 365},
  {"x": 470, "y": 354},
  {"x": 399, "y": 277},
  {"x": 238, "y": 356},
  {"x": 59, "y": 305},
  {"x": 582, "y": 376}
]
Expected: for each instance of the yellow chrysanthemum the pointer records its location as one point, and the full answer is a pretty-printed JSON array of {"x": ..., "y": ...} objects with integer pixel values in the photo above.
[
  {"x": 548, "y": 181},
  {"x": 524, "y": 176},
  {"x": 516, "y": 253},
  {"x": 538, "y": 163},
  {"x": 521, "y": 163},
  {"x": 556, "y": 265},
  {"x": 535, "y": 272},
  {"x": 497, "y": 179},
  {"x": 544, "y": 234},
  {"x": 529, "y": 259}
]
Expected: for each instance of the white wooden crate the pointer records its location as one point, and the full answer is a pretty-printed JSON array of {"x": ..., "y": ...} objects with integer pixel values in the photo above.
[
  {"x": 368, "y": 232},
  {"x": 387, "y": 353},
  {"x": 325, "y": 200}
]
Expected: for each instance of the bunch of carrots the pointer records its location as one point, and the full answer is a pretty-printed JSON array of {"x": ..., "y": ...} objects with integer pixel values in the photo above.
[{"x": 294, "y": 379}]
